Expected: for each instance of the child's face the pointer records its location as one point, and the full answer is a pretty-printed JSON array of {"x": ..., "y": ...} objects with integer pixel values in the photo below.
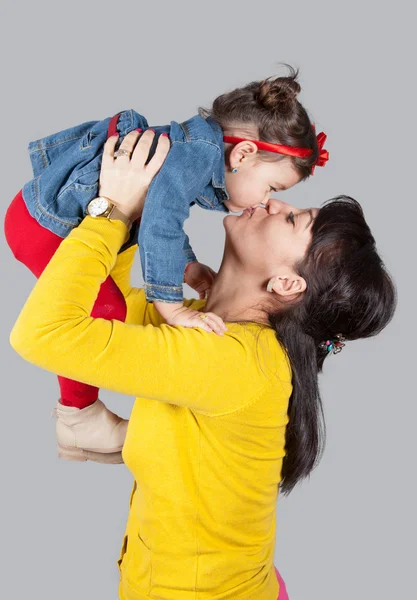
[{"x": 256, "y": 180}]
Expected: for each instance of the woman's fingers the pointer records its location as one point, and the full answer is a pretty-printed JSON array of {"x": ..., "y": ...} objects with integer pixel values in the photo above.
[
  {"x": 141, "y": 152},
  {"x": 138, "y": 151},
  {"x": 159, "y": 157},
  {"x": 108, "y": 151},
  {"x": 128, "y": 145}
]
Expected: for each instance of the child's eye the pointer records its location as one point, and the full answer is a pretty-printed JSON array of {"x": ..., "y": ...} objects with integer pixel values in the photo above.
[
  {"x": 272, "y": 189},
  {"x": 290, "y": 218}
]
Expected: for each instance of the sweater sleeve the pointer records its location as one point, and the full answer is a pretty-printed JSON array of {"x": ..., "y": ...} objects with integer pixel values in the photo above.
[{"x": 182, "y": 366}]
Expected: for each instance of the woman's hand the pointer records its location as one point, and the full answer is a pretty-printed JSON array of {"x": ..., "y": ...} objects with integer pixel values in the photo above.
[{"x": 125, "y": 180}]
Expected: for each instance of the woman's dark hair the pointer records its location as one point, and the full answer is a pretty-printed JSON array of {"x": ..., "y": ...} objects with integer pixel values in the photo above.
[
  {"x": 271, "y": 106},
  {"x": 349, "y": 292}
]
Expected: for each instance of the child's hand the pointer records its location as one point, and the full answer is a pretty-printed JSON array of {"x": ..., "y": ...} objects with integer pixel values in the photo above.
[
  {"x": 178, "y": 314},
  {"x": 199, "y": 277}
]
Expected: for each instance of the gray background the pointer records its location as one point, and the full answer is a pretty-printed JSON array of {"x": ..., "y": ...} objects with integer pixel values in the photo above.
[{"x": 350, "y": 531}]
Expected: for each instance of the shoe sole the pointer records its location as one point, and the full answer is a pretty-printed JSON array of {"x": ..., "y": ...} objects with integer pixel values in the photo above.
[{"x": 77, "y": 454}]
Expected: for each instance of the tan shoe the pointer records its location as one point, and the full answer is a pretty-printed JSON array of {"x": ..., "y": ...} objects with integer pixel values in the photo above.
[{"x": 91, "y": 433}]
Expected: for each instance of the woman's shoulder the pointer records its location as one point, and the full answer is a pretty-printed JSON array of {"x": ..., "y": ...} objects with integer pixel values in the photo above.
[{"x": 257, "y": 338}]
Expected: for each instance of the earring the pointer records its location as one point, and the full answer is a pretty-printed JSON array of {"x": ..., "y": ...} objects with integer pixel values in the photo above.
[
  {"x": 235, "y": 170},
  {"x": 269, "y": 287}
]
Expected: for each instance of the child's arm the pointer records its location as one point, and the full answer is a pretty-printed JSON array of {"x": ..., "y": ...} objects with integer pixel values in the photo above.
[
  {"x": 199, "y": 277},
  {"x": 164, "y": 251}
]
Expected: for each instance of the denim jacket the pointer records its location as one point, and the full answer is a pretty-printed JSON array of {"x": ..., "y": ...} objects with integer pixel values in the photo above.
[{"x": 66, "y": 168}]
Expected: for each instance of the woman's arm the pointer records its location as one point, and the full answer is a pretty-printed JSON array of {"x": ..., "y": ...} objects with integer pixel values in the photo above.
[
  {"x": 139, "y": 312},
  {"x": 187, "y": 367}
]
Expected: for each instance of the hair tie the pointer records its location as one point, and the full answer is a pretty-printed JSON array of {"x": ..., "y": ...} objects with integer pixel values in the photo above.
[{"x": 334, "y": 345}]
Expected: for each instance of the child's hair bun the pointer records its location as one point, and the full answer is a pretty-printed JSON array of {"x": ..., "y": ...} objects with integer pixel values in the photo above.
[{"x": 279, "y": 94}]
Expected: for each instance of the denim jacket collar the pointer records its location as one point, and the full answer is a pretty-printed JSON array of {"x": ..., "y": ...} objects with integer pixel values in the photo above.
[{"x": 218, "y": 179}]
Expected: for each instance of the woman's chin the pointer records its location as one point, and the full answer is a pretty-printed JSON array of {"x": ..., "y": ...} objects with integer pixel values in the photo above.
[{"x": 227, "y": 221}]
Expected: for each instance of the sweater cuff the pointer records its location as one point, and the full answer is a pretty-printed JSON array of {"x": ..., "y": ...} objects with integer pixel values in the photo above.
[{"x": 111, "y": 234}]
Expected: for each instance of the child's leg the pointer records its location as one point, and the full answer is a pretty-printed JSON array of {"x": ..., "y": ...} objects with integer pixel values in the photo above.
[
  {"x": 110, "y": 304},
  {"x": 34, "y": 246}
]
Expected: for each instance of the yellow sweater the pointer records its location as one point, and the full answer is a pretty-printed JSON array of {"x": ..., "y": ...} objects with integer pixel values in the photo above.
[{"x": 206, "y": 435}]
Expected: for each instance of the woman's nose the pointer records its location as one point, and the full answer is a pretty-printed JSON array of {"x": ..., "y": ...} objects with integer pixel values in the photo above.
[{"x": 274, "y": 206}]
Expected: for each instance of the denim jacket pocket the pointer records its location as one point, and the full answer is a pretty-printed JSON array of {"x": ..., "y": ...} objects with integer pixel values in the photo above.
[
  {"x": 71, "y": 203},
  {"x": 88, "y": 139}
]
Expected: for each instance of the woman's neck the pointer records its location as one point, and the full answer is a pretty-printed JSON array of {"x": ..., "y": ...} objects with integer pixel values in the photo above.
[{"x": 234, "y": 300}]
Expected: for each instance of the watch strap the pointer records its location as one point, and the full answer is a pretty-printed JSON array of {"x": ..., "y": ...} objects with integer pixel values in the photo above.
[{"x": 118, "y": 215}]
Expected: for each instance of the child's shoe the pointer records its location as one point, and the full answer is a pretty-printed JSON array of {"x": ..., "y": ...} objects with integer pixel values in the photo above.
[{"x": 91, "y": 433}]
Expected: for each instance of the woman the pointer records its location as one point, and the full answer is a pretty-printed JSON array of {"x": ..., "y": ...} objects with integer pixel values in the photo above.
[{"x": 221, "y": 421}]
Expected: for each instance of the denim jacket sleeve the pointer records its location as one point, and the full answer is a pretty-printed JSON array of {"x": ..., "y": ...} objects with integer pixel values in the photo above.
[
  {"x": 188, "y": 251},
  {"x": 163, "y": 245}
]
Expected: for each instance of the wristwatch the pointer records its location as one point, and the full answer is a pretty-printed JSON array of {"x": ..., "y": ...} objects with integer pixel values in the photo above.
[{"x": 103, "y": 207}]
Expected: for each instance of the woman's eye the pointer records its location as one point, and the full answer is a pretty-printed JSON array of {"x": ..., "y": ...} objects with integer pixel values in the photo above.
[{"x": 291, "y": 218}]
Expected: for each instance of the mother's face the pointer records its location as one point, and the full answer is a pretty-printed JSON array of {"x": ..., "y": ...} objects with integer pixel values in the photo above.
[{"x": 266, "y": 238}]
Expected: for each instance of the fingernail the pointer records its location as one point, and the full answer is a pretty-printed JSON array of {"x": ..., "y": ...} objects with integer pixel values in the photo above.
[
  {"x": 164, "y": 135},
  {"x": 139, "y": 130},
  {"x": 115, "y": 135},
  {"x": 153, "y": 130}
]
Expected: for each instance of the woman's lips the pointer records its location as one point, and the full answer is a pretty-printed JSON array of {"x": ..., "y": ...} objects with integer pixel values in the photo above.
[{"x": 249, "y": 211}]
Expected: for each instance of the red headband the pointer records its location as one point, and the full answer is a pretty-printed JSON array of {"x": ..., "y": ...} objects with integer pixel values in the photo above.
[{"x": 288, "y": 150}]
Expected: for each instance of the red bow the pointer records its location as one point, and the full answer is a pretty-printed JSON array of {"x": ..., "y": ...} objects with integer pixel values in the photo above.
[{"x": 323, "y": 153}]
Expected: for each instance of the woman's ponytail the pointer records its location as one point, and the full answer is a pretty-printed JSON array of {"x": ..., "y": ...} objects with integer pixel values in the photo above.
[{"x": 305, "y": 434}]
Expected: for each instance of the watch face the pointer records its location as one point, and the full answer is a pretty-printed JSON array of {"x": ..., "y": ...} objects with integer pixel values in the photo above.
[{"x": 97, "y": 207}]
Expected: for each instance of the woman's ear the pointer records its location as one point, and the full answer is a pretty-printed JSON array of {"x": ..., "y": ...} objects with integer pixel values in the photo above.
[
  {"x": 241, "y": 152},
  {"x": 288, "y": 284}
]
